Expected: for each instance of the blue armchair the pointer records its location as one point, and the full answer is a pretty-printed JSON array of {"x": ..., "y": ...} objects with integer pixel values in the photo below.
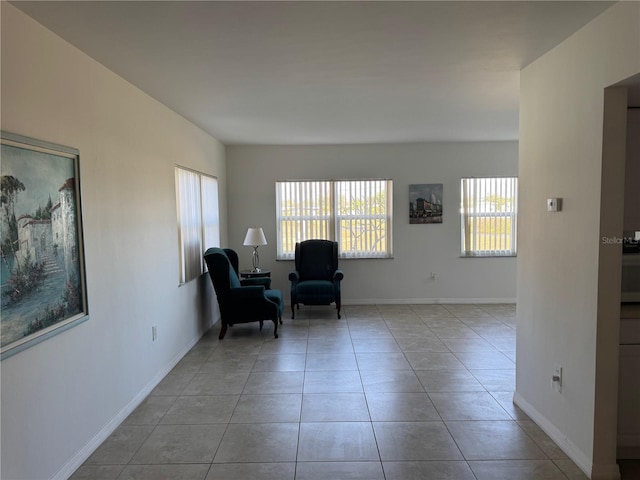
[
  {"x": 241, "y": 304},
  {"x": 316, "y": 280}
]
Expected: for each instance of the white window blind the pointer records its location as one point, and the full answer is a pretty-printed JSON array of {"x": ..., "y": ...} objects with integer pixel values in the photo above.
[
  {"x": 198, "y": 220},
  {"x": 210, "y": 212},
  {"x": 355, "y": 213},
  {"x": 489, "y": 216},
  {"x": 304, "y": 211},
  {"x": 363, "y": 218}
]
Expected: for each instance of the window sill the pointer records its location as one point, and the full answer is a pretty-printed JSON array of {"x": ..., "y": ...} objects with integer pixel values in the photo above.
[{"x": 488, "y": 256}]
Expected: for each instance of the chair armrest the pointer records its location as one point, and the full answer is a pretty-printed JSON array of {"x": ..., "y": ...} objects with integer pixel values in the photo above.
[
  {"x": 294, "y": 277},
  {"x": 246, "y": 293},
  {"x": 264, "y": 281},
  {"x": 338, "y": 275}
]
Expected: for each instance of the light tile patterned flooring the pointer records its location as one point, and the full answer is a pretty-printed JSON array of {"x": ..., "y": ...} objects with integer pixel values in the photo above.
[{"x": 395, "y": 392}]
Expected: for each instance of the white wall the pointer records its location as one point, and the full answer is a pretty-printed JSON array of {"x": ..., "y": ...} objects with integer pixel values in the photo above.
[
  {"x": 60, "y": 397},
  {"x": 418, "y": 249},
  {"x": 566, "y": 314}
]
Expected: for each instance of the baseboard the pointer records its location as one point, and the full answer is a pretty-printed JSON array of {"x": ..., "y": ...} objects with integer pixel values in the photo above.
[
  {"x": 419, "y": 301},
  {"x": 85, "y": 452},
  {"x": 592, "y": 471},
  {"x": 424, "y": 301}
]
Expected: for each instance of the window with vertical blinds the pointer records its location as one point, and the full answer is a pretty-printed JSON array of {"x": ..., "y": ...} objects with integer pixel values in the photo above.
[
  {"x": 355, "y": 213},
  {"x": 198, "y": 220},
  {"x": 489, "y": 216}
]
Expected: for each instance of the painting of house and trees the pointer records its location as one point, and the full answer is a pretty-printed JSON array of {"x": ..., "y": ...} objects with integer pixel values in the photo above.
[{"x": 41, "y": 256}]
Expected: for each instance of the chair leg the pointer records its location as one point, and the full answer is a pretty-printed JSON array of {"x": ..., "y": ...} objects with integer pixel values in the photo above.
[
  {"x": 338, "y": 307},
  {"x": 223, "y": 330},
  {"x": 275, "y": 328},
  {"x": 293, "y": 311},
  {"x": 261, "y": 324}
]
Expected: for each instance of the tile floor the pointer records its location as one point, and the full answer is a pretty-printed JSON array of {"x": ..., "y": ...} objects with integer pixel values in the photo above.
[{"x": 395, "y": 392}]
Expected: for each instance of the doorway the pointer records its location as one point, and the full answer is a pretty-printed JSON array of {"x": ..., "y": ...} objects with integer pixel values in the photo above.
[{"x": 628, "y": 422}]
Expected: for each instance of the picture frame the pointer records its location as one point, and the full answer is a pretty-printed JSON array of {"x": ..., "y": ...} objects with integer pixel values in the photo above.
[
  {"x": 43, "y": 281},
  {"x": 425, "y": 203}
]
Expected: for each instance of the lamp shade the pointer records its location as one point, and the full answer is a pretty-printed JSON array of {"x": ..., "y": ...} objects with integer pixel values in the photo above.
[{"x": 255, "y": 237}]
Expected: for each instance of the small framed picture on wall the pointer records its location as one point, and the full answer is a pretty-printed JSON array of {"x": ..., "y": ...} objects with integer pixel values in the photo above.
[{"x": 425, "y": 203}]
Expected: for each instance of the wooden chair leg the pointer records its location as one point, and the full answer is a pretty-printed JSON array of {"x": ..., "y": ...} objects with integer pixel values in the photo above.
[
  {"x": 275, "y": 328},
  {"x": 223, "y": 330}
]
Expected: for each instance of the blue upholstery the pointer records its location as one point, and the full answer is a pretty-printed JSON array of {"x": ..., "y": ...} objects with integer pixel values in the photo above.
[
  {"x": 234, "y": 281},
  {"x": 233, "y": 258},
  {"x": 241, "y": 304},
  {"x": 316, "y": 280},
  {"x": 275, "y": 296}
]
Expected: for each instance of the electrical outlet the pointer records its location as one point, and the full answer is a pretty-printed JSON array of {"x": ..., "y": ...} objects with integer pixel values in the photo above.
[
  {"x": 556, "y": 379},
  {"x": 554, "y": 204},
  {"x": 154, "y": 333}
]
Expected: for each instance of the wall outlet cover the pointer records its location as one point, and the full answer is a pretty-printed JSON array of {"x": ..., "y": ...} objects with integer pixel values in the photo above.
[
  {"x": 554, "y": 204},
  {"x": 556, "y": 379}
]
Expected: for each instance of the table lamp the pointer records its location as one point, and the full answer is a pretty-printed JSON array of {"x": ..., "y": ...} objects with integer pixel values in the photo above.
[{"x": 254, "y": 238}]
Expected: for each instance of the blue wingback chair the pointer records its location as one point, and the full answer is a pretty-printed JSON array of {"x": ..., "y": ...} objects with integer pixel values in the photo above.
[
  {"x": 238, "y": 303},
  {"x": 316, "y": 280}
]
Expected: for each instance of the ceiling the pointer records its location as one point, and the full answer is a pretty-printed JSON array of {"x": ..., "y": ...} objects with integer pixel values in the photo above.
[{"x": 324, "y": 72}]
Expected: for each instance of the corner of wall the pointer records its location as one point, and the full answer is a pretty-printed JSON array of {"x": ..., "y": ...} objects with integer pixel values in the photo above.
[{"x": 594, "y": 471}]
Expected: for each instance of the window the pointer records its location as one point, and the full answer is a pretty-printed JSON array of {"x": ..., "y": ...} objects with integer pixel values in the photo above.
[
  {"x": 355, "y": 213},
  {"x": 489, "y": 216},
  {"x": 198, "y": 220}
]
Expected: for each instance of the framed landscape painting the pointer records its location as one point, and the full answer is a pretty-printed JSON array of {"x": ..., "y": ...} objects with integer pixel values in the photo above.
[{"x": 41, "y": 246}]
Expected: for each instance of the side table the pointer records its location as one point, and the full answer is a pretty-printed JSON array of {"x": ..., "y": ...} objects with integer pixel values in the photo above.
[{"x": 250, "y": 274}]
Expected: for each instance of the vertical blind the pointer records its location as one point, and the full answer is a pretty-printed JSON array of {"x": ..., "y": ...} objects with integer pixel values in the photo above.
[
  {"x": 489, "y": 216},
  {"x": 198, "y": 220},
  {"x": 356, "y": 213},
  {"x": 304, "y": 211},
  {"x": 210, "y": 212},
  {"x": 362, "y": 218}
]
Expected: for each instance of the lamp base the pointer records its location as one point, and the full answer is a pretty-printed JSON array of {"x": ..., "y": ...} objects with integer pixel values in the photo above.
[{"x": 255, "y": 261}]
